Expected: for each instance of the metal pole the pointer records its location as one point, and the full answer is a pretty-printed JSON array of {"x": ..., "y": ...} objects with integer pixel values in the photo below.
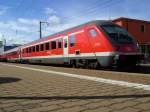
[{"x": 40, "y": 29}]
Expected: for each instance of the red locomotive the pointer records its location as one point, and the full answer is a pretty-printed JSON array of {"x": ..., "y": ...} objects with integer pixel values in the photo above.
[{"x": 94, "y": 43}]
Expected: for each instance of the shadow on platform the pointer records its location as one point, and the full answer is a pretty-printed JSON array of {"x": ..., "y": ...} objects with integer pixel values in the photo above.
[
  {"x": 8, "y": 79},
  {"x": 72, "y": 97},
  {"x": 138, "y": 69}
]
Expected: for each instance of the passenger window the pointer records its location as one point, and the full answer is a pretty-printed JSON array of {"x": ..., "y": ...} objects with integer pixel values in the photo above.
[
  {"x": 37, "y": 48},
  {"x": 33, "y": 48},
  {"x": 93, "y": 32},
  {"x": 72, "y": 40},
  {"x": 30, "y": 50},
  {"x": 27, "y": 50},
  {"x": 60, "y": 43},
  {"x": 47, "y": 45},
  {"x": 42, "y": 47},
  {"x": 53, "y": 43}
]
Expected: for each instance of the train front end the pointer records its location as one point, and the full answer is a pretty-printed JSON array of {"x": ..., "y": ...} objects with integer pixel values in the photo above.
[{"x": 126, "y": 49}]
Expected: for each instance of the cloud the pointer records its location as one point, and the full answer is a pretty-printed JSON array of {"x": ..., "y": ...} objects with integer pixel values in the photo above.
[
  {"x": 24, "y": 30},
  {"x": 20, "y": 31},
  {"x": 54, "y": 20},
  {"x": 21, "y": 25},
  {"x": 3, "y": 10},
  {"x": 19, "y": 39},
  {"x": 49, "y": 11},
  {"x": 51, "y": 29},
  {"x": 28, "y": 21}
]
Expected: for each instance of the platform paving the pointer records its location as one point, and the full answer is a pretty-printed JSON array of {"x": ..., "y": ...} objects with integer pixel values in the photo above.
[{"x": 24, "y": 90}]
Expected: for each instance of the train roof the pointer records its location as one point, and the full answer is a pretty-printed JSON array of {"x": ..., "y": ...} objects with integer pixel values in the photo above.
[{"x": 97, "y": 22}]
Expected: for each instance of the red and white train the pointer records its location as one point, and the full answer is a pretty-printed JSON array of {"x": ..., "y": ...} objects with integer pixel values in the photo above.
[{"x": 94, "y": 43}]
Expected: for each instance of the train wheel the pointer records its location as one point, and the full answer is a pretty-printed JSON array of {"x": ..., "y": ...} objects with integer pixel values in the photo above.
[
  {"x": 86, "y": 65},
  {"x": 74, "y": 64}
]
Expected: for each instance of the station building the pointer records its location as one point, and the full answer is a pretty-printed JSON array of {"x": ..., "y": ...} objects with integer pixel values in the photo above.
[
  {"x": 4, "y": 47},
  {"x": 140, "y": 29}
]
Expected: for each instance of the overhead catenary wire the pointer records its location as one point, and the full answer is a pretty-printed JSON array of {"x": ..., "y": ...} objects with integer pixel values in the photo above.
[{"x": 94, "y": 11}]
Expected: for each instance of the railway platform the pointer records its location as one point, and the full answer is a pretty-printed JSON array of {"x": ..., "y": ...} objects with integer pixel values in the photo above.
[{"x": 41, "y": 88}]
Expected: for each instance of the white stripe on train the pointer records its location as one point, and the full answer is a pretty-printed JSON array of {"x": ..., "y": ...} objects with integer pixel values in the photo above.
[{"x": 80, "y": 55}]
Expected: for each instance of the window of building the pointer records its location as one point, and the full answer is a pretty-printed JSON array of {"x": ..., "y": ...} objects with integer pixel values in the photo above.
[
  {"x": 42, "y": 47},
  {"x": 93, "y": 32},
  {"x": 1, "y": 43},
  {"x": 47, "y": 46},
  {"x": 60, "y": 43},
  {"x": 37, "y": 48},
  {"x": 142, "y": 27},
  {"x": 72, "y": 40},
  {"x": 53, "y": 43}
]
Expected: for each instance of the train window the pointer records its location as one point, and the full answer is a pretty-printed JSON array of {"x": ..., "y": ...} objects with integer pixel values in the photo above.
[
  {"x": 30, "y": 50},
  {"x": 93, "y": 32},
  {"x": 24, "y": 51},
  {"x": 53, "y": 43},
  {"x": 117, "y": 34},
  {"x": 27, "y": 50},
  {"x": 33, "y": 48},
  {"x": 42, "y": 47},
  {"x": 60, "y": 43},
  {"x": 37, "y": 48},
  {"x": 47, "y": 46},
  {"x": 72, "y": 40}
]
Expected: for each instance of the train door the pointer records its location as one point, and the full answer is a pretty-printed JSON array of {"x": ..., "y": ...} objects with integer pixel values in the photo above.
[{"x": 65, "y": 48}]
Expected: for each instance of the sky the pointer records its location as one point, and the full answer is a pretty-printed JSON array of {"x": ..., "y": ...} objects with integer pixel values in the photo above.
[{"x": 19, "y": 19}]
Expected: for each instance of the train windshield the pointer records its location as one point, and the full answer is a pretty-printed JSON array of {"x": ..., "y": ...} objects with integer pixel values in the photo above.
[{"x": 117, "y": 34}]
